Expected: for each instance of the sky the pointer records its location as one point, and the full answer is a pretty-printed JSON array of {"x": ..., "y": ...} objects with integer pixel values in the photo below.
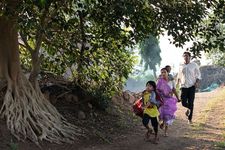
[{"x": 172, "y": 55}]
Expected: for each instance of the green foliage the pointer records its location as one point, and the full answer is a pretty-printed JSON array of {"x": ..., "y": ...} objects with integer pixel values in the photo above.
[
  {"x": 106, "y": 71},
  {"x": 94, "y": 36},
  {"x": 150, "y": 53},
  {"x": 13, "y": 146},
  {"x": 180, "y": 18},
  {"x": 25, "y": 59},
  {"x": 217, "y": 57},
  {"x": 105, "y": 63},
  {"x": 210, "y": 34},
  {"x": 220, "y": 145},
  {"x": 101, "y": 99}
]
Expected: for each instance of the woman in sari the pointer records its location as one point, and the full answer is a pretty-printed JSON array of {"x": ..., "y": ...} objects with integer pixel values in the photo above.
[{"x": 166, "y": 88}]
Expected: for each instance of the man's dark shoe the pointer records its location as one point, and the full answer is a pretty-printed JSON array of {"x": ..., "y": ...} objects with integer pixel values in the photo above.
[
  {"x": 187, "y": 113},
  {"x": 190, "y": 122}
]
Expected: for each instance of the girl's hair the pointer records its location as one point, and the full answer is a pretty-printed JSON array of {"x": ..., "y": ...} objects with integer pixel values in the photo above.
[{"x": 153, "y": 84}]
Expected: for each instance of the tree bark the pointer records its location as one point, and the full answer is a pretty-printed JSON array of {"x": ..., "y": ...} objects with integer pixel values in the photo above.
[{"x": 9, "y": 52}]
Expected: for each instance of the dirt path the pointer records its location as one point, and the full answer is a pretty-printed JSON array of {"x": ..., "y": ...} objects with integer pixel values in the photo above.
[{"x": 206, "y": 130}]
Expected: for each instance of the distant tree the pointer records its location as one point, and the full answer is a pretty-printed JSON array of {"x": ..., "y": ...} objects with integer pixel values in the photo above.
[
  {"x": 217, "y": 57},
  {"x": 150, "y": 53},
  {"x": 137, "y": 82}
]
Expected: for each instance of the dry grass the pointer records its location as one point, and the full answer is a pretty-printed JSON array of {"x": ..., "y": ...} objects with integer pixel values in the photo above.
[
  {"x": 211, "y": 105},
  {"x": 210, "y": 124}
]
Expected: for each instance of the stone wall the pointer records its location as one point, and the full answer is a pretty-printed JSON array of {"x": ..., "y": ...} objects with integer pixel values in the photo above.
[{"x": 212, "y": 75}]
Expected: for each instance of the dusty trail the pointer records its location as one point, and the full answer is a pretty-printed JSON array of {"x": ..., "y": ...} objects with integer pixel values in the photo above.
[{"x": 201, "y": 135}]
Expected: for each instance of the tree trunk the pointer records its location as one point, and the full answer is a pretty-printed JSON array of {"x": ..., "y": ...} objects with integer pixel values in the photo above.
[
  {"x": 82, "y": 49},
  {"x": 154, "y": 73},
  {"x": 35, "y": 53},
  {"x": 28, "y": 114},
  {"x": 35, "y": 70},
  {"x": 9, "y": 52}
]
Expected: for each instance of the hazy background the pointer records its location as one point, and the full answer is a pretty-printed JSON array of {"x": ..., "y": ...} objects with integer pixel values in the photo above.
[{"x": 170, "y": 55}]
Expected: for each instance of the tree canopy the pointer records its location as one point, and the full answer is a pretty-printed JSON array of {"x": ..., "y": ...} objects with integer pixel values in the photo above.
[
  {"x": 217, "y": 57},
  {"x": 209, "y": 36},
  {"x": 83, "y": 33}
]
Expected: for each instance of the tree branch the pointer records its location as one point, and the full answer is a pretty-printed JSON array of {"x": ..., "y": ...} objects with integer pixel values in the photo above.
[
  {"x": 40, "y": 33},
  {"x": 27, "y": 46}
]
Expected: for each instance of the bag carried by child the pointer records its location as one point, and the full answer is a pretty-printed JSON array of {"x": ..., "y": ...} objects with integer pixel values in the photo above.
[{"x": 137, "y": 108}]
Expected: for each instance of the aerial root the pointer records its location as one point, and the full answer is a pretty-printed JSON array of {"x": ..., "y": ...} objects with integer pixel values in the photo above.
[{"x": 30, "y": 116}]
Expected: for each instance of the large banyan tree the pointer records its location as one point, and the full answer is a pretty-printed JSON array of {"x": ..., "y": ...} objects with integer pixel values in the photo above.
[
  {"x": 28, "y": 114},
  {"x": 108, "y": 26}
]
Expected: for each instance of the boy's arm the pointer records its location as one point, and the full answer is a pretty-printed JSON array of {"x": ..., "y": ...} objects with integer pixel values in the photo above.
[{"x": 179, "y": 75}]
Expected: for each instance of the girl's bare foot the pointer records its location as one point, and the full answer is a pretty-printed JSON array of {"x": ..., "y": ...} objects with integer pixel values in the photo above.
[
  {"x": 155, "y": 141},
  {"x": 166, "y": 134},
  {"x": 148, "y": 134}
]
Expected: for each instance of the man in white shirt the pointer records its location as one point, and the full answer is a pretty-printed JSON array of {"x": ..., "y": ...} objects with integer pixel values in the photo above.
[{"x": 188, "y": 77}]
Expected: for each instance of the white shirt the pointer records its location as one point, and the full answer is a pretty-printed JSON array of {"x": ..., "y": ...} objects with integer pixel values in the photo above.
[
  {"x": 171, "y": 84},
  {"x": 188, "y": 74}
]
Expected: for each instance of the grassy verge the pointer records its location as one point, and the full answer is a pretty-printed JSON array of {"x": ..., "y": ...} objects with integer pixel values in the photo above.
[
  {"x": 212, "y": 104},
  {"x": 216, "y": 103},
  {"x": 220, "y": 145}
]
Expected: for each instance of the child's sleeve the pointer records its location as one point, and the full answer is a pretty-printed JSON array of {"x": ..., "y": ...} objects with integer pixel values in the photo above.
[{"x": 153, "y": 99}]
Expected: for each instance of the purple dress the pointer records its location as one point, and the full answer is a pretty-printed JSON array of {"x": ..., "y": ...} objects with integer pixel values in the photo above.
[{"x": 168, "y": 109}]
